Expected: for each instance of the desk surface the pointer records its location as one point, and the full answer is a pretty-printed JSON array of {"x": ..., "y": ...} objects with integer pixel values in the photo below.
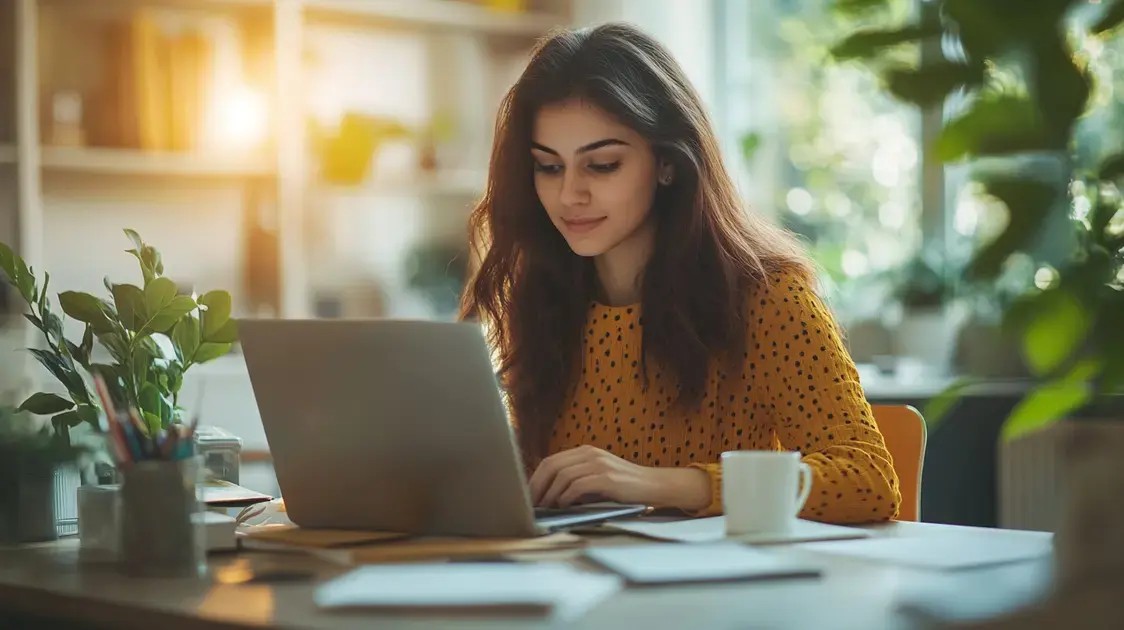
[{"x": 48, "y": 580}]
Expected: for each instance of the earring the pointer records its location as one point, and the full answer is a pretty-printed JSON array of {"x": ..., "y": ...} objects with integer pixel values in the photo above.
[{"x": 665, "y": 179}]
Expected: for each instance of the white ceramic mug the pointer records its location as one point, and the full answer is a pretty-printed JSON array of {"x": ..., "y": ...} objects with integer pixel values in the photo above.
[{"x": 763, "y": 491}]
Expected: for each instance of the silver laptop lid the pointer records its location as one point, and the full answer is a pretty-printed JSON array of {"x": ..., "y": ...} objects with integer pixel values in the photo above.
[{"x": 387, "y": 425}]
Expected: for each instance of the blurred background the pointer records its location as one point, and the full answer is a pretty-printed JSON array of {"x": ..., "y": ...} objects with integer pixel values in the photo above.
[{"x": 318, "y": 158}]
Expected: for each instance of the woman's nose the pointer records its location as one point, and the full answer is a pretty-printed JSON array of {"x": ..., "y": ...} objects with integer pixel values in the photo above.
[{"x": 575, "y": 189}]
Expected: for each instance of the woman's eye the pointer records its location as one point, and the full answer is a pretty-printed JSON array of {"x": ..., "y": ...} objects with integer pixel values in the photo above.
[
  {"x": 605, "y": 168},
  {"x": 547, "y": 169}
]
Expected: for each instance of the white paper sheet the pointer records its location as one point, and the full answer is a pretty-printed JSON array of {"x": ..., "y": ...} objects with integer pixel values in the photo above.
[
  {"x": 714, "y": 530},
  {"x": 943, "y": 553},
  {"x": 555, "y": 588},
  {"x": 662, "y": 563}
]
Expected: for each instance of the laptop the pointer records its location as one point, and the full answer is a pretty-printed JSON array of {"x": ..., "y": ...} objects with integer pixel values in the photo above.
[{"x": 394, "y": 425}]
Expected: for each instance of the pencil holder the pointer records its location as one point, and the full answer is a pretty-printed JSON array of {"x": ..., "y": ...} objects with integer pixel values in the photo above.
[{"x": 159, "y": 536}]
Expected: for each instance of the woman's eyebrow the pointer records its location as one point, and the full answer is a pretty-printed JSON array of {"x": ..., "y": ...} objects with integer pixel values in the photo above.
[{"x": 585, "y": 148}]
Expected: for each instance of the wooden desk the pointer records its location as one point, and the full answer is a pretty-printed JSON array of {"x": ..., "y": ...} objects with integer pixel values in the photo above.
[{"x": 47, "y": 581}]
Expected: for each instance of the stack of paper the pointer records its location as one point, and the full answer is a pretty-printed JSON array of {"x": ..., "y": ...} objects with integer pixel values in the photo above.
[
  {"x": 714, "y": 530},
  {"x": 553, "y": 589},
  {"x": 662, "y": 563},
  {"x": 943, "y": 553}
]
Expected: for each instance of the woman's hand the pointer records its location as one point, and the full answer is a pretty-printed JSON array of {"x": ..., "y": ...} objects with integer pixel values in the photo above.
[{"x": 587, "y": 473}]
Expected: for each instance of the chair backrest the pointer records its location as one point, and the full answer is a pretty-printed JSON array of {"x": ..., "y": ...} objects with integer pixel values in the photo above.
[{"x": 904, "y": 430}]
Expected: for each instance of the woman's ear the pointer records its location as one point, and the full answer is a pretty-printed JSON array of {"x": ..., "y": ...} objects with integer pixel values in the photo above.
[{"x": 666, "y": 173}]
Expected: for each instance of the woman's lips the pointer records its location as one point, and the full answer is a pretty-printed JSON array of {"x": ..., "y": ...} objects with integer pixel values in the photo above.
[{"x": 583, "y": 224}]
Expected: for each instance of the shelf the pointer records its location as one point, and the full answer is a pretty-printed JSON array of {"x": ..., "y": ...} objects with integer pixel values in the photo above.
[
  {"x": 433, "y": 14},
  {"x": 453, "y": 183},
  {"x": 7, "y": 154},
  {"x": 135, "y": 162}
]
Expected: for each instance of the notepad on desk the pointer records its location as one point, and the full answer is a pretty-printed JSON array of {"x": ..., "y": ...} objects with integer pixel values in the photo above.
[
  {"x": 698, "y": 530},
  {"x": 942, "y": 553},
  {"x": 708, "y": 562},
  {"x": 552, "y": 589},
  {"x": 359, "y": 547}
]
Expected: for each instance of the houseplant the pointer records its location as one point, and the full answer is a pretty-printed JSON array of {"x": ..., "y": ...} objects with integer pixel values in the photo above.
[
  {"x": 1028, "y": 87},
  {"x": 30, "y": 451},
  {"x": 149, "y": 334}
]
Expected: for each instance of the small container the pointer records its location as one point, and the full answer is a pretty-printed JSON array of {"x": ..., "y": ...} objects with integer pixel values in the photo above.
[
  {"x": 221, "y": 453},
  {"x": 98, "y": 534},
  {"x": 159, "y": 536}
]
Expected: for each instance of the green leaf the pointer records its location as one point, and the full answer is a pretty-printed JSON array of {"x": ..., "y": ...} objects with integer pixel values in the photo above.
[
  {"x": 186, "y": 338},
  {"x": 163, "y": 321},
  {"x": 1112, "y": 167},
  {"x": 153, "y": 422},
  {"x": 76, "y": 416},
  {"x": 152, "y": 402},
  {"x": 65, "y": 374},
  {"x": 43, "y": 293},
  {"x": 871, "y": 42},
  {"x": 1029, "y": 203},
  {"x": 210, "y": 351},
  {"x": 35, "y": 321},
  {"x": 87, "y": 346},
  {"x": 158, "y": 294},
  {"x": 995, "y": 126},
  {"x": 1112, "y": 17},
  {"x": 25, "y": 281},
  {"x": 142, "y": 359},
  {"x": 932, "y": 84},
  {"x": 116, "y": 344},
  {"x": 54, "y": 327},
  {"x": 217, "y": 313},
  {"x": 85, "y": 308},
  {"x": 129, "y": 300},
  {"x": 8, "y": 262},
  {"x": 174, "y": 375},
  {"x": 135, "y": 238},
  {"x": 1045, "y": 405},
  {"x": 43, "y": 404},
  {"x": 751, "y": 142},
  {"x": 228, "y": 333},
  {"x": 1057, "y": 329},
  {"x": 858, "y": 7},
  {"x": 940, "y": 405}
]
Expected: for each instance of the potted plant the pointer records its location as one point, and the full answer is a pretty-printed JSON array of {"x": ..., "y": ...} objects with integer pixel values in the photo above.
[
  {"x": 150, "y": 336},
  {"x": 1027, "y": 89},
  {"x": 928, "y": 326},
  {"x": 30, "y": 453}
]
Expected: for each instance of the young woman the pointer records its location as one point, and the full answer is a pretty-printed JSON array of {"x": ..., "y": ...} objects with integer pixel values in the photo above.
[{"x": 644, "y": 322}]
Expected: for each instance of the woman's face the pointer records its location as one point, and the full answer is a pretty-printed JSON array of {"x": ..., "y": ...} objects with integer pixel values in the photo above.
[{"x": 595, "y": 177}]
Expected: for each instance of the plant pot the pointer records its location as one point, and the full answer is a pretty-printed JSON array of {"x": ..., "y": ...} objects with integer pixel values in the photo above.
[
  {"x": 1089, "y": 541},
  {"x": 929, "y": 336},
  {"x": 27, "y": 499}
]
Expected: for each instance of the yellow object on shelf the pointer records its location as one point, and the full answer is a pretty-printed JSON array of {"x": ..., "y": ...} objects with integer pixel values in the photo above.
[{"x": 507, "y": 6}]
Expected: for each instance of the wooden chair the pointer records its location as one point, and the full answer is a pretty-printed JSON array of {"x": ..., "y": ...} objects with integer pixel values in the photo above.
[{"x": 904, "y": 430}]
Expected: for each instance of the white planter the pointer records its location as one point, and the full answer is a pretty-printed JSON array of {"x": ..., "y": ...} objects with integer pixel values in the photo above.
[{"x": 928, "y": 336}]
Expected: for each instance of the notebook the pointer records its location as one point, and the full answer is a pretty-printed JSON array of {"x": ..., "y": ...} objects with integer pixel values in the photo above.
[
  {"x": 553, "y": 589},
  {"x": 662, "y": 563},
  {"x": 714, "y": 530},
  {"x": 942, "y": 553}
]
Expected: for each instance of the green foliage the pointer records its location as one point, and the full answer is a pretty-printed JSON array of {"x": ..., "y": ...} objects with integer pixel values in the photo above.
[
  {"x": 133, "y": 324},
  {"x": 1072, "y": 329}
]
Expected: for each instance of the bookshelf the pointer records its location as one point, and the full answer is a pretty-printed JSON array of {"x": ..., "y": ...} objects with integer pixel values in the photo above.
[
  {"x": 432, "y": 14},
  {"x": 76, "y": 131},
  {"x": 104, "y": 161}
]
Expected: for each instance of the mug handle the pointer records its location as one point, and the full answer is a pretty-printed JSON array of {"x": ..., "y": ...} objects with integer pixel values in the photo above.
[{"x": 805, "y": 487}]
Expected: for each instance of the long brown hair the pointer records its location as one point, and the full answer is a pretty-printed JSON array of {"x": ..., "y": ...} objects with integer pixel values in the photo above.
[{"x": 533, "y": 292}]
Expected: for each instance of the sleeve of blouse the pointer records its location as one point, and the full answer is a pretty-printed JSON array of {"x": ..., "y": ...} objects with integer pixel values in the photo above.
[{"x": 819, "y": 408}]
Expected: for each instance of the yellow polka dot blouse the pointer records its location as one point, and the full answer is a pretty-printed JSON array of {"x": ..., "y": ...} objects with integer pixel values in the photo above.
[{"x": 799, "y": 390}]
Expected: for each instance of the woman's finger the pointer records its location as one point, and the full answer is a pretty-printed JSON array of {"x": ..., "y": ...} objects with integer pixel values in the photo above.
[{"x": 564, "y": 479}]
